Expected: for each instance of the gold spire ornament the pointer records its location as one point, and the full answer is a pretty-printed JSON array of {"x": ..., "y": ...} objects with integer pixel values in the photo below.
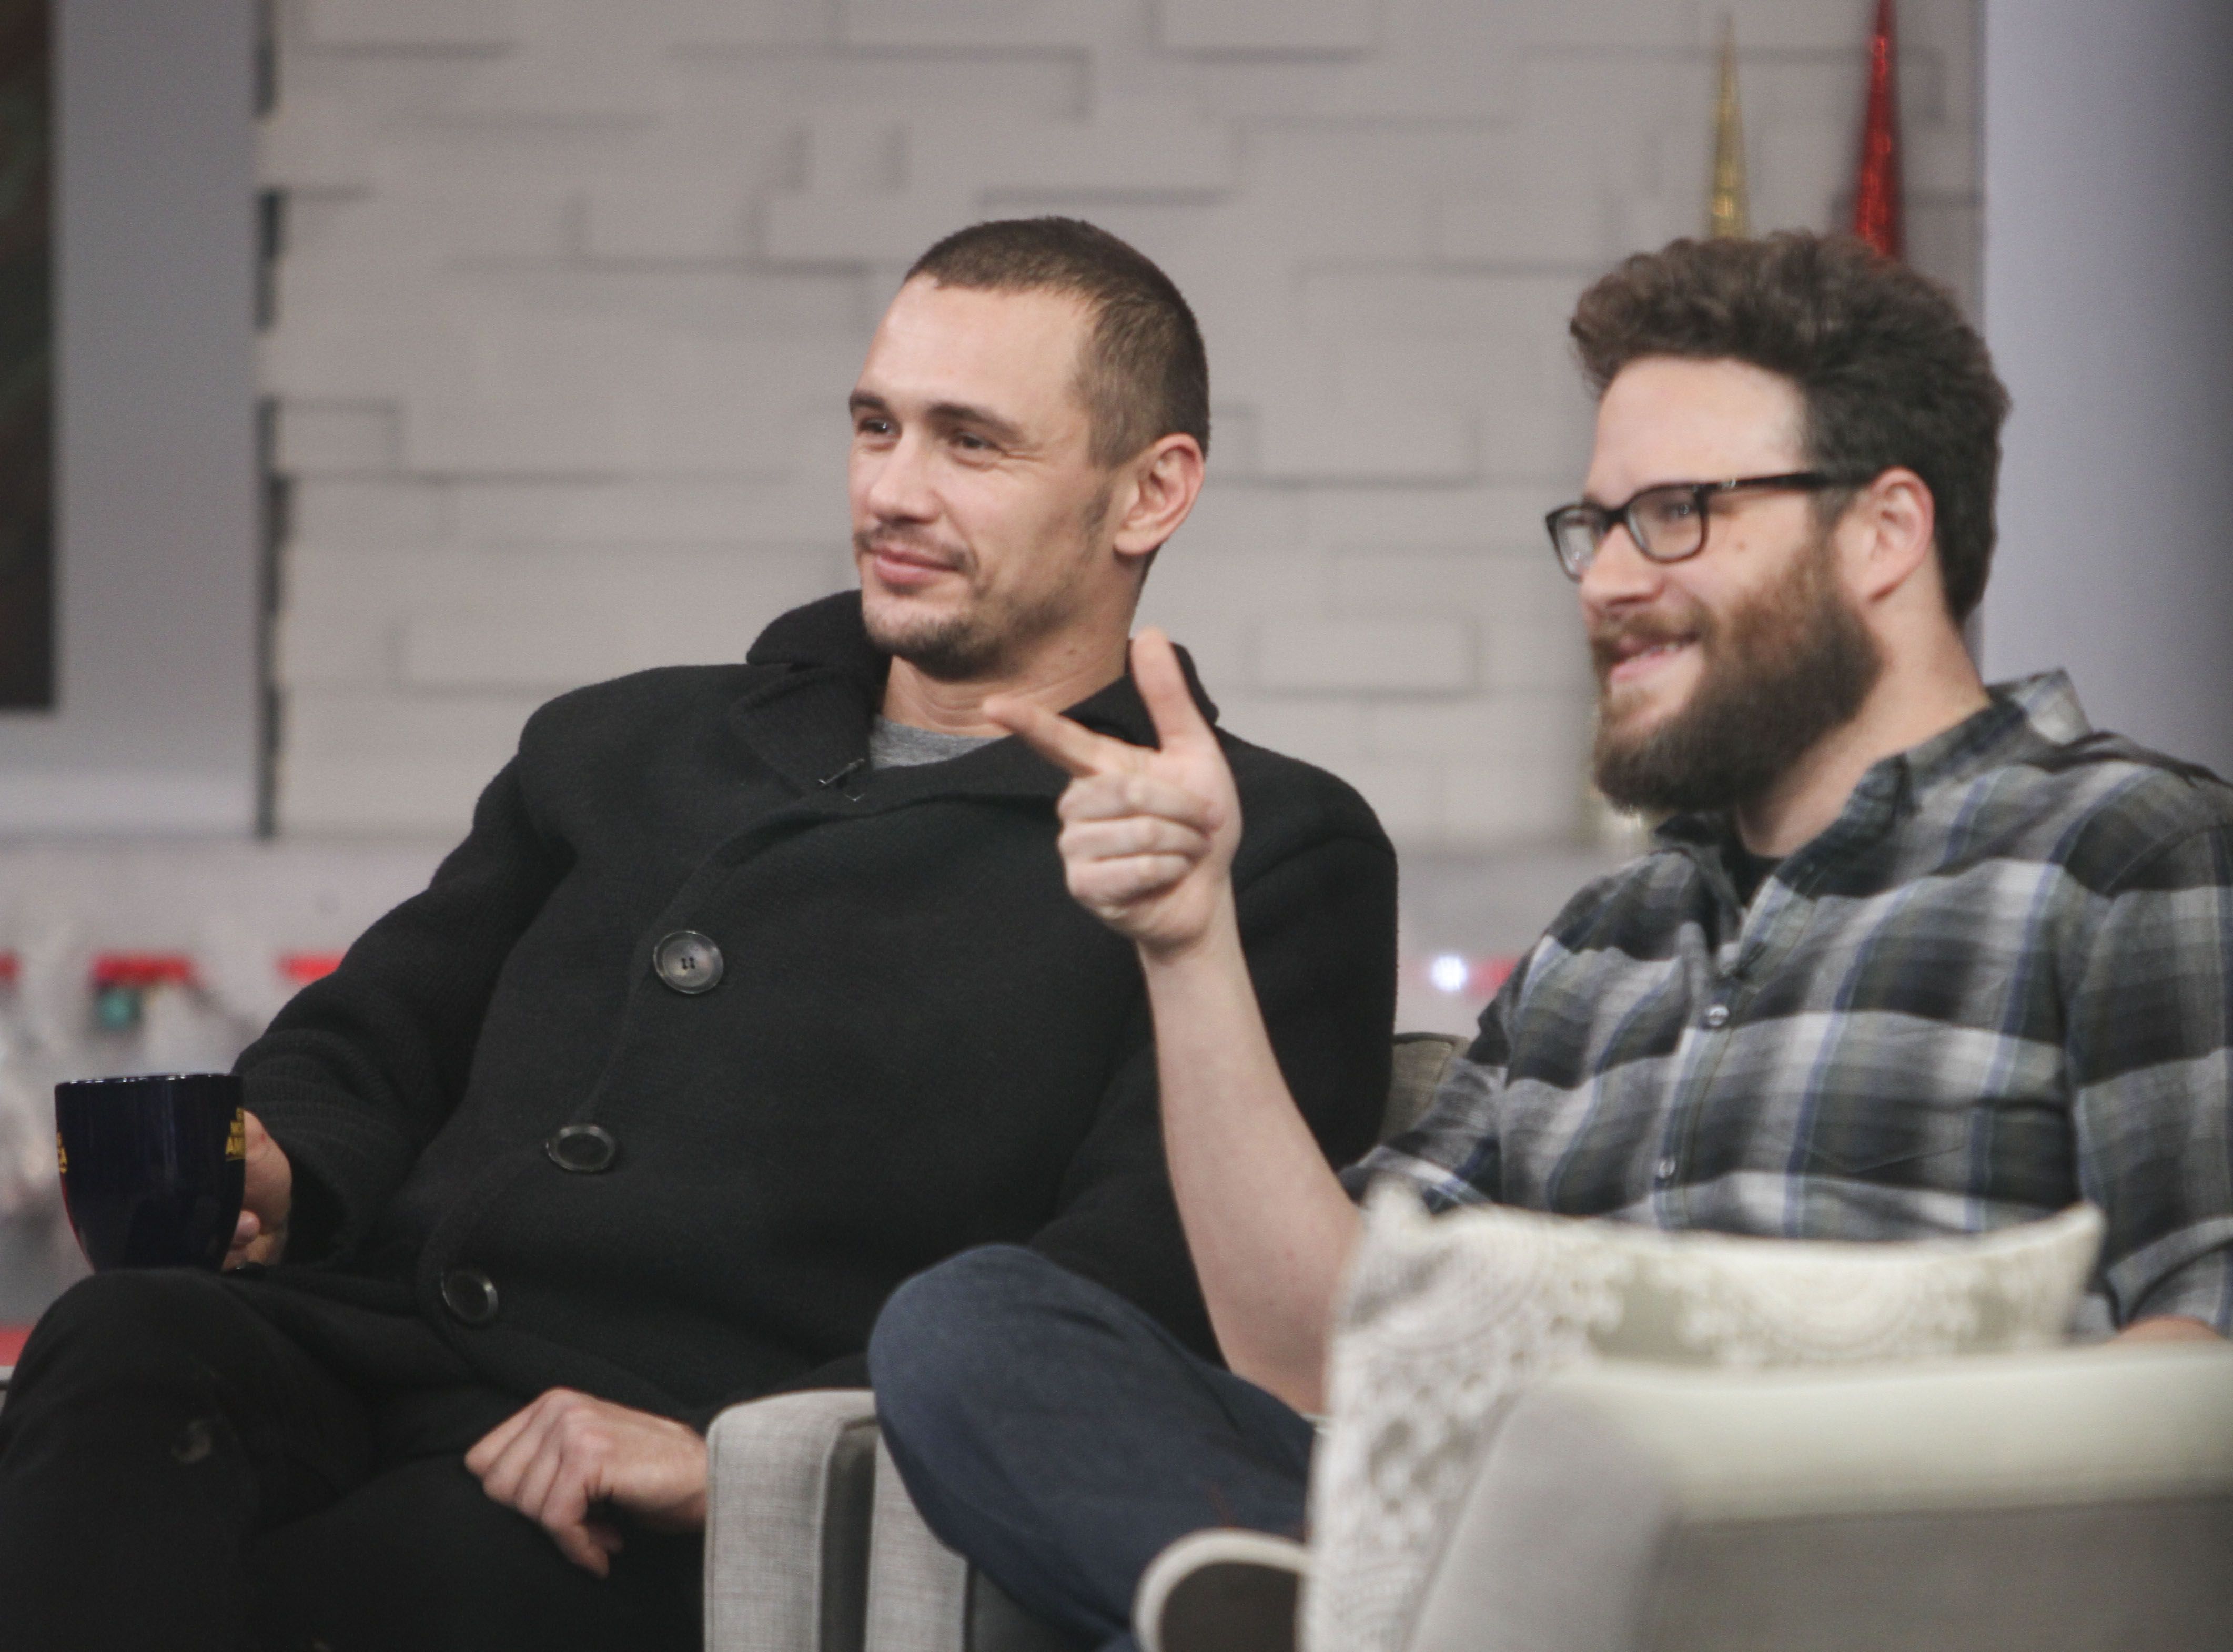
[{"x": 1729, "y": 209}]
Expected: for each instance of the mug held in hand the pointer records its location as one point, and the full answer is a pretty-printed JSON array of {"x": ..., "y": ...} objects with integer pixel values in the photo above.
[{"x": 152, "y": 1167}]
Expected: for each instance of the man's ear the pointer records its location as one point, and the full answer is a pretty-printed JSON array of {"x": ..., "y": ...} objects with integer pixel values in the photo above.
[
  {"x": 1156, "y": 492},
  {"x": 1889, "y": 534}
]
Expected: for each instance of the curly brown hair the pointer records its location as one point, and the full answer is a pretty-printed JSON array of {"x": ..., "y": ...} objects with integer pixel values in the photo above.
[
  {"x": 1144, "y": 375},
  {"x": 1889, "y": 371}
]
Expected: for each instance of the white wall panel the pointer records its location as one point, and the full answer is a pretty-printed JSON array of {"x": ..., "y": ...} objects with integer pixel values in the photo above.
[{"x": 578, "y": 287}]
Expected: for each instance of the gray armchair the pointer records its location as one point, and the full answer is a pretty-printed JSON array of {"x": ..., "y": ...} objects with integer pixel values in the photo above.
[
  {"x": 793, "y": 1481},
  {"x": 2051, "y": 1503},
  {"x": 812, "y": 1545},
  {"x": 799, "y": 1485}
]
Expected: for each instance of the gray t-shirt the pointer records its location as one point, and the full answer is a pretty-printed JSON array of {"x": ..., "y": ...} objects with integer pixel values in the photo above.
[{"x": 903, "y": 746}]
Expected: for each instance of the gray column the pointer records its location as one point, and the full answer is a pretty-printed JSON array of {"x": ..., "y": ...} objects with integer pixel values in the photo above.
[
  {"x": 155, "y": 732},
  {"x": 2109, "y": 307}
]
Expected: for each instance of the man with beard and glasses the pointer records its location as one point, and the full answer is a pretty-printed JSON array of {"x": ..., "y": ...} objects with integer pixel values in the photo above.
[
  {"x": 1912, "y": 957},
  {"x": 754, "y": 990}
]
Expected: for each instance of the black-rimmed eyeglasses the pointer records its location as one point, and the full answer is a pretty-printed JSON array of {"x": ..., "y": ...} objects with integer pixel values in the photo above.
[{"x": 1667, "y": 522}]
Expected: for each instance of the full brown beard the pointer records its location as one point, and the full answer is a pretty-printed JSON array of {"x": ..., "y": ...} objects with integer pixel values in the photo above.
[{"x": 1778, "y": 673}]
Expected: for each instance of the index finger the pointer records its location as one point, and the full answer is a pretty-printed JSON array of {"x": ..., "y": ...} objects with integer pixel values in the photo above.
[
  {"x": 1163, "y": 685},
  {"x": 1077, "y": 751}
]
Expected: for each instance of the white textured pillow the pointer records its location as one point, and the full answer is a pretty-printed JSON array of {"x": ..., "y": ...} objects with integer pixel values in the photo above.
[{"x": 1444, "y": 1319}]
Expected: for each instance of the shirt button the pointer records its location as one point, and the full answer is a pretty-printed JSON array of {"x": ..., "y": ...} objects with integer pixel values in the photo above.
[
  {"x": 585, "y": 1150},
  {"x": 1663, "y": 1171},
  {"x": 1717, "y": 1015},
  {"x": 470, "y": 1295},
  {"x": 689, "y": 962}
]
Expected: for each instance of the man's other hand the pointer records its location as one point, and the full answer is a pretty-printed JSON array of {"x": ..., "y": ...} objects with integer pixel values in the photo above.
[
  {"x": 1147, "y": 835},
  {"x": 260, "y": 1235},
  {"x": 2168, "y": 1327},
  {"x": 566, "y": 1456}
]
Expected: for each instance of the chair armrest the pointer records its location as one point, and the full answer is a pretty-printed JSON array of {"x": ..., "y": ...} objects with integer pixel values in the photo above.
[
  {"x": 918, "y": 1588},
  {"x": 1417, "y": 1062},
  {"x": 2081, "y": 1498},
  {"x": 790, "y": 1481}
]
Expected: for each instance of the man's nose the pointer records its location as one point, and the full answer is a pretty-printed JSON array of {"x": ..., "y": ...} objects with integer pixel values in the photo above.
[
  {"x": 1620, "y": 574},
  {"x": 899, "y": 486}
]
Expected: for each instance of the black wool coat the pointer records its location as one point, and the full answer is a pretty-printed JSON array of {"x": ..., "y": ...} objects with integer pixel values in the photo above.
[{"x": 918, "y": 1042}]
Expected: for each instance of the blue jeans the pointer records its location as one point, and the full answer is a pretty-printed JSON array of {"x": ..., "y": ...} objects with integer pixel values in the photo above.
[{"x": 1061, "y": 1439}]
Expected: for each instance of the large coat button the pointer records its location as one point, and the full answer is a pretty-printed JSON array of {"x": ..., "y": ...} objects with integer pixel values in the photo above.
[
  {"x": 470, "y": 1295},
  {"x": 687, "y": 962},
  {"x": 582, "y": 1149}
]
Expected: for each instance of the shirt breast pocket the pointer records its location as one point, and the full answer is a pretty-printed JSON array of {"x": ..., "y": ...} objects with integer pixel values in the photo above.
[
  {"x": 1917, "y": 1140},
  {"x": 1877, "y": 1159}
]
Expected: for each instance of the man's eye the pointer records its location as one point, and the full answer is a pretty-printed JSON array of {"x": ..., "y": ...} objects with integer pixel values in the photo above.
[
  {"x": 1678, "y": 508},
  {"x": 970, "y": 442},
  {"x": 872, "y": 427}
]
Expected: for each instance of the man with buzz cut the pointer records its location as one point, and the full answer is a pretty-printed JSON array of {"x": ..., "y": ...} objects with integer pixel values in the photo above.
[
  {"x": 1911, "y": 956},
  {"x": 754, "y": 990}
]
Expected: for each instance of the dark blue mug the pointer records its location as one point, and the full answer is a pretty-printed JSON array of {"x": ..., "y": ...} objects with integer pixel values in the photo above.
[{"x": 152, "y": 1167}]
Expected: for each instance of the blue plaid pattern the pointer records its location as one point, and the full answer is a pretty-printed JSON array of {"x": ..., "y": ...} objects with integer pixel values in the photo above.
[{"x": 2001, "y": 981}]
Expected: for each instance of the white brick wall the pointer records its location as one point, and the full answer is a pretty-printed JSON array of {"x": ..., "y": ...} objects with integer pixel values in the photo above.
[{"x": 575, "y": 289}]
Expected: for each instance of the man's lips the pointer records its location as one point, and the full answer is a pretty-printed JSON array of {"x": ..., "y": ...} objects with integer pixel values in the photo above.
[
  {"x": 1630, "y": 659},
  {"x": 906, "y": 565},
  {"x": 1648, "y": 659}
]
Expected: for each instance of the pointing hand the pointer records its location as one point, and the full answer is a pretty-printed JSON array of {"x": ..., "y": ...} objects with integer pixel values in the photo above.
[{"x": 1147, "y": 834}]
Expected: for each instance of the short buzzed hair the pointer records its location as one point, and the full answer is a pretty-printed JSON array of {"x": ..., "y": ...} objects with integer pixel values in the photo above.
[
  {"x": 1890, "y": 372},
  {"x": 1144, "y": 374}
]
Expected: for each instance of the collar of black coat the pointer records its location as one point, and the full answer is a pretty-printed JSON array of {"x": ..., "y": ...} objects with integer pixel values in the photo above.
[{"x": 816, "y": 682}]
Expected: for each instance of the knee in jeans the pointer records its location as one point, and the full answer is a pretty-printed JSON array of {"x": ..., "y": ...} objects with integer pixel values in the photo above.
[{"x": 948, "y": 1329}]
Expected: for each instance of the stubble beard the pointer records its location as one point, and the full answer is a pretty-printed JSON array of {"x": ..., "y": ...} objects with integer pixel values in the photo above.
[
  {"x": 953, "y": 646},
  {"x": 976, "y": 641},
  {"x": 1780, "y": 673}
]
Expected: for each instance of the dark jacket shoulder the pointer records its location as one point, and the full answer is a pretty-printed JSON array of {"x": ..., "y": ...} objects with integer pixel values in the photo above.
[
  {"x": 1287, "y": 804},
  {"x": 622, "y": 708},
  {"x": 823, "y": 637}
]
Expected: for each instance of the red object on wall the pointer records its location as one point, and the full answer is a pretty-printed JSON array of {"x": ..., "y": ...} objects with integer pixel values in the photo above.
[
  {"x": 302, "y": 968},
  {"x": 1878, "y": 217},
  {"x": 12, "y": 1338},
  {"x": 1490, "y": 974},
  {"x": 141, "y": 970}
]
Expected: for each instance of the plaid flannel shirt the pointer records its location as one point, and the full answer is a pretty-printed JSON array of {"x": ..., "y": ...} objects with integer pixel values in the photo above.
[{"x": 2000, "y": 982}]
